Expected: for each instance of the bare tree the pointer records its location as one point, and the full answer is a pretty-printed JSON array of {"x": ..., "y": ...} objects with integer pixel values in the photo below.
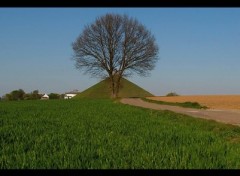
[{"x": 115, "y": 46}]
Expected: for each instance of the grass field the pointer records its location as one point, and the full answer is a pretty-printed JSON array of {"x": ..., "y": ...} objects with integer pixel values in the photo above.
[
  {"x": 101, "y": 134},
  {"x": 211, "y": 101}
]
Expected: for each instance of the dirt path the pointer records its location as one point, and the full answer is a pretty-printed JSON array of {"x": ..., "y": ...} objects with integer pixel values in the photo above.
[{"x": 224, "y": 116}]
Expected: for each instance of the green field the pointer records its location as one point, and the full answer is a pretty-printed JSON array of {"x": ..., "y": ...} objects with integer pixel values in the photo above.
[{"x": 101, "y": 134}]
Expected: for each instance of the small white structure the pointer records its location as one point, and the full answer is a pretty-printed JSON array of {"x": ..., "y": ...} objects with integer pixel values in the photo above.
[
  {"x": 45, "y": 97},
  {"x": 69, "y": 95}
]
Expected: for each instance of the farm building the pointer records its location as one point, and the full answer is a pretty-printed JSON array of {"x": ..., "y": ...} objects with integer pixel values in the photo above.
[
  {"x": 45, "y": 97},
  {"x": 69, "y": 95}
]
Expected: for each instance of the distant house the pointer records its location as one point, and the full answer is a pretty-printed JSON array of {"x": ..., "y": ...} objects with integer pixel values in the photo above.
[
  {"x": 45, "y": 97},
  {"x": 69, "y": 95}
]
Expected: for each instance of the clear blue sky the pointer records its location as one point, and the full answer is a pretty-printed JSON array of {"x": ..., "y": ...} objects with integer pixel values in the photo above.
[{"x": 199, "y": 49}]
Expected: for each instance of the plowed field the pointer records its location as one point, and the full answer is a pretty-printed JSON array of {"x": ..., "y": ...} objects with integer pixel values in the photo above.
[{"x": 211, "y": 101}]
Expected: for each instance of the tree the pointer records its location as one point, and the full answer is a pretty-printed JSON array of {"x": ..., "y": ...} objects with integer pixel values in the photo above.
[
  {"x": 54, "y": 96},
  {"x": 16, "y": 95},
  {"x": 32, "y": 96},
  {"x": 61, "y": 96},
  {"x": 115, "y": 46},
  {"x": 35, "y": 95},
  {"x": 8, "y": 97}
]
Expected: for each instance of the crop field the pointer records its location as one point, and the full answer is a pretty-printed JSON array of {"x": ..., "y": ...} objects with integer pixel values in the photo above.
[
  {"x": 211, "y": 101},
  {"x": 103, "y": 134}
]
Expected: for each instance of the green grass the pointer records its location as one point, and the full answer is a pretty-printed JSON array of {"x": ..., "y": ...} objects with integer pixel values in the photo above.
[
  {"x": 187, "y": 104},
  {"x": 102, "y": 134},
  {"x": 102, "y": 90}
]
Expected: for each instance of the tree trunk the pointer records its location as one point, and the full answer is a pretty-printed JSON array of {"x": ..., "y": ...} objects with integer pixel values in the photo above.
[
  {"x": 115, "y": 84},
  {"x": 112, "y": 82}
]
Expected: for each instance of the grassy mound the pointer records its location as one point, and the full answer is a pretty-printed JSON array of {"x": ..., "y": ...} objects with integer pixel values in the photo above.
[{"x": 102, "y": 90}]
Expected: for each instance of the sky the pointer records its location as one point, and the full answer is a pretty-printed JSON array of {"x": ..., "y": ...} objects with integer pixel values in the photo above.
[{"x": 199, "y": 49}]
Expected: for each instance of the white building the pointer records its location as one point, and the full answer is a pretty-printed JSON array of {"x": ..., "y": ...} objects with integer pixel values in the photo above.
[
  {"x": 69, "y": 95},
  {"x": 45, "y": 97}
]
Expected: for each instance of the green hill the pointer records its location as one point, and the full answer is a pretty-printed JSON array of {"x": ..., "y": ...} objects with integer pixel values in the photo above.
[{"x": 102, "y": 90}]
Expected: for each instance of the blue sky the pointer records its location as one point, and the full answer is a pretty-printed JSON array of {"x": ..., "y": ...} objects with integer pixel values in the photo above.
[{"x": 199, "y": 49}]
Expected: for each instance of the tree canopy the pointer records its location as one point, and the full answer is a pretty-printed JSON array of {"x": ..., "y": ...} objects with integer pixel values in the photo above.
[{"x": 115, "y": 46}]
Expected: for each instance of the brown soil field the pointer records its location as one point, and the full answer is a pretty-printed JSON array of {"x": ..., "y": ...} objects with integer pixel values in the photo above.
[{"x": 211, "y": 101}]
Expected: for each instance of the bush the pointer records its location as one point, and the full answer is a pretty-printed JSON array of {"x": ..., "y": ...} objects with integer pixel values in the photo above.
[
  {"x": 171, "y": 94},
  {"x": 54, "y": 96}
]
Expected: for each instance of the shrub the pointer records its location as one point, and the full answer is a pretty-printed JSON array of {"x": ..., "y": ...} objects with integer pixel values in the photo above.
[
  {"x": 54, "y": 96},
  {"x": 171, "y": 94}
]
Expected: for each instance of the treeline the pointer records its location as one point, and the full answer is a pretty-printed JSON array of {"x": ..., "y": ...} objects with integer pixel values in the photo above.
[{"x": 34, "y": 95}]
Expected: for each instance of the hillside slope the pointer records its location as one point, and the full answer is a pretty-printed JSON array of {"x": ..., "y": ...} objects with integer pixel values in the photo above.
[{"x": 102, "y": 90}]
